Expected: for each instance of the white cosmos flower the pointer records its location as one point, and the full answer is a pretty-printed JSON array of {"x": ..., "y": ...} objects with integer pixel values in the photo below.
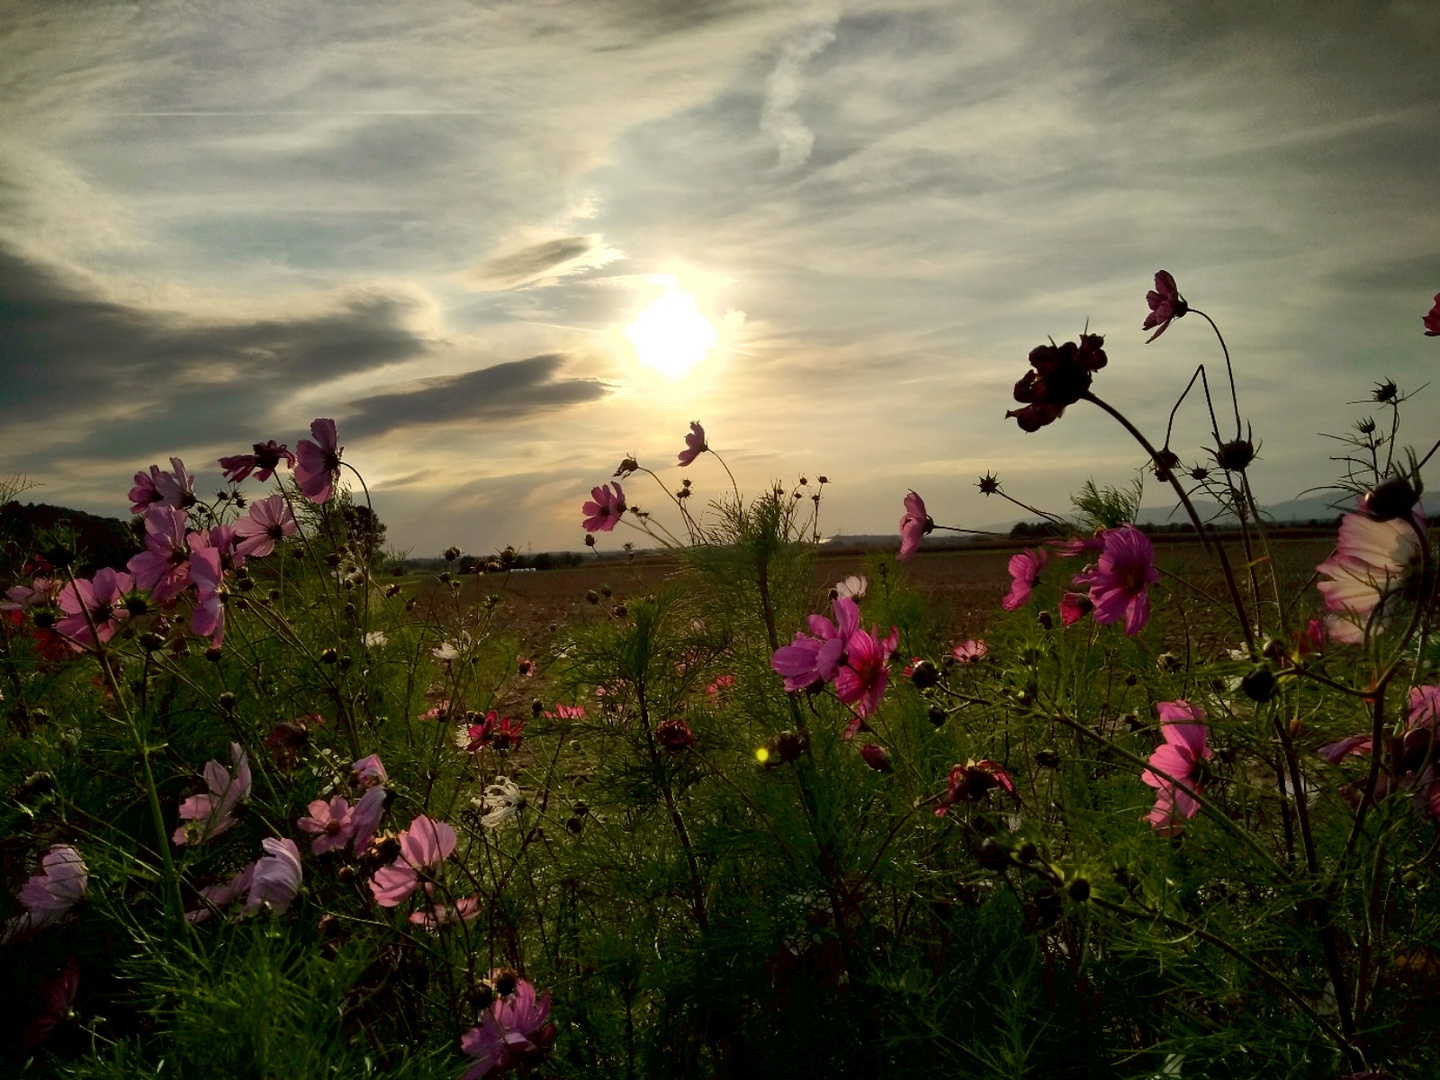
[{"x": 499, "y": 802}]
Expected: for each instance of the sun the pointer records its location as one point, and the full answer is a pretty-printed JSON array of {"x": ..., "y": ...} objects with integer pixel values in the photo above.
[{"x": 671, "y": 335}]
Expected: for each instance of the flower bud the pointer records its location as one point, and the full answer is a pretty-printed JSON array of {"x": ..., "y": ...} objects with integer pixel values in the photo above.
[
  {"x": 151, "y": 642},
  {"x": 1259, "y": 683},
  {"x": 1078, "y": 890},
  {"x": 936, "y": 715},
  {"x": 924, "y": 674},
  {"x": 1047, "y": 759},
  {"x": 1235, "y": 455},
  {"x": 1395, "y": 498},
  {"x": 992, "y": 855},
  {"x": 227, "y": 700},
  {"x": 1045, "y": 620},
  {"x": 329, "y": 656},
  {"x": 876, "y": 757},
  {"x": 213, "y": 653}
]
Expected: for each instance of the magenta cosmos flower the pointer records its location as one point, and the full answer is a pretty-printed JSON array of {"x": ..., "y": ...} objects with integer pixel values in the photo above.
[
  {"x": 603, "y": 513},
  {"x": 49, "y": 895},
  {"x": 1374, "y": 565},
  {"x": 175, "y": 488},
  {"x": 99, "y": 601},
  {"x": 317, "y": 468},
  {"x": 264, "y": 461},
  {"x": 914, "y": 524},
  {"x": 1024, "y": 576},
  {"x": 970, "y": 782},
  {"x": 268, "y": 522},
  {"x": 695, "y": 445},
  {"x": 1177, "y": 759},
  {"x": 1432, "y": 321},
  {"x": 1120, "y": 583},
  {"x": 164, "y": 566},
  {"x": 861, "y": 681},
  {"x": 1074, "y": 606},
  {"x": 815, "y": 657},
  {"x": 207, "y": 617},
  {"x": 511, "y": 1028},
  {"x": 214, "y": 812},
  {"x": 423, "y": 846},
  {"x": 1166, "y": 304}
]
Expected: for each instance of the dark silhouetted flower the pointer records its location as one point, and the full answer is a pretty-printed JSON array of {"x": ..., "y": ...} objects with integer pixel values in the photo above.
[
  {"x": 318, "y": 467},
  {"x": 694, "y": 445},
  {"x": 264, "y": 461},
  {"x": 604, "y": 512},
  {"x": 1061, "y": 375},
  {"x": 1165, "y": 303}
]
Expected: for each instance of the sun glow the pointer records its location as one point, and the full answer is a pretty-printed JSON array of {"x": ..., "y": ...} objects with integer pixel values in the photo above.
[{"x": 671, "y": 336}]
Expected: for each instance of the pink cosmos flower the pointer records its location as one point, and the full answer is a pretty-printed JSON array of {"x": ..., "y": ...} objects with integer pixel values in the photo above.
[
  {"x": 207, "y": 617},
  {"x": 436, "y": 914},
  {"x": 695, "y": 445},
  {"x": 1120, "y": 583},
  {"x": 495, "y": 730},
  {"x": 49, "y": 895},
  {"x": 969, "y": 652},
  {"x": 317, "y": 468},
  {"x": 370, "y": 771},
  {"x": 215, "y": 897},
  {"x": 146, "y": 491},
  {"x": 331, "y": 823},
  {"x": 423, "y": 846},
  {"x": 604, "y": 512},
  {"x": 815, "y": 657},
  {"x": 213, "y": 812},
  {"x": 39, "y": 591},
  {"x": 268, "y": 522},
  {"x": 102, "y": 597},
  {"x": 970, "y": 782},
  {"x": 1165, "y": 303},
  {"x": 1177, "y": 759},
  {"x": 176, "y": 488},
  {"x": 861, "y": 681},
  {"x": 1372, "y": 568},
  {"x": 566, "y": 712},
  {"x": 276, "y": 878},
  {"x": 1024, "y": 574},
  {"x": 266, "y": 459},
  {"x": 914, "y": 524},
  {"x": 1432, "y": 321},
  {"x": 364, "y": 816},
  {"x": 513, "y": 1027},
  {"x": 164, "y": 566},
  {"x": 1074, "y": 606},
  {"x": 720, "y": 685},
  {"x": 1078, "y": 545}
]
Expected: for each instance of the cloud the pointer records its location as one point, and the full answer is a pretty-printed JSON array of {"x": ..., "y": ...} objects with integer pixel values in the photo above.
[
  {"x": 782, "y": 92},
  {"x": 547, "y": 259},
  {"x": 502, "y": 392}
]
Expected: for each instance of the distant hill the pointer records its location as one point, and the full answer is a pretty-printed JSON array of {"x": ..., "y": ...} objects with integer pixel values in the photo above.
[{"x": 56, "y": 533}]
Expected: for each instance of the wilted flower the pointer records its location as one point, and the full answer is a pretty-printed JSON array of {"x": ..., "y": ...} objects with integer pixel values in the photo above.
[
  {"x": 989, "y": 484},
  {"x": 215, "y": 897},
  {"x": 370, "y": 771},
  {"x": 604, "y": 512},
  {"x": 423, "y": 846},
  {"x": 276, "y": 878},
  {"x": 914, "y": 524},
  {"x": 499, "y": 802},
  {"x": 318, "y": 467},
  {"x": 1432, "y": 320},
  {"x": 213, "y": 813},
  {"x": 1165, "y": 303},
  {"x": 695, "y": 445},
  {"x": 674, "y": 734},
  {"x": 1024, "y": 575},
  {"x": 50, "y": 894},
  {"x": 1374, "y": 564},
  {"x": 269, "y": 521},
  {"x": 1061, "y": 375},
  {"x": 513, "y": 1027},
  {"x": 57, "y": 995},
  {"x": 1177, "y": 759},
  {"x": 970, "y": 782},
  {"x": 1120, "y": 583},
  {"x": 266, "y": 458}
]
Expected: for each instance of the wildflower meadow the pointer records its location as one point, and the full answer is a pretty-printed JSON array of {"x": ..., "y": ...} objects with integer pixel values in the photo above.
[{"x": 272, "y": 810}]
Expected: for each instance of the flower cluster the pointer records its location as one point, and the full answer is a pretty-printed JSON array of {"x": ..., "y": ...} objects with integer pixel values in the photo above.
[
  {"x": 1060, "y": 376},
  {"x": 855, "y": 660}
]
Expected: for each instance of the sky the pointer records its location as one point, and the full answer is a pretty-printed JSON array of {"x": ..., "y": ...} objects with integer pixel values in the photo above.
[{"x": 835, "y": 230}]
